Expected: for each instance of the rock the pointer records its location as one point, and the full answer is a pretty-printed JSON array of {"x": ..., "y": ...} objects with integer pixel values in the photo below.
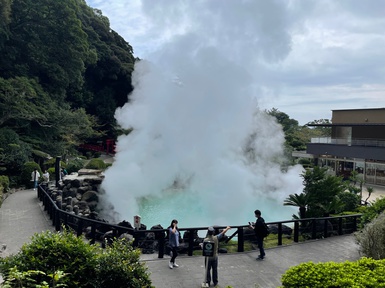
[
  {"x": 83, "y": 189},
  {"x": 90, "y": 196},
  {"x": 82, "y": 172},
  {"x": 286, "y": 230},
  {"x": 75, "y": 183},
  {"x": 125, "y": 223}
]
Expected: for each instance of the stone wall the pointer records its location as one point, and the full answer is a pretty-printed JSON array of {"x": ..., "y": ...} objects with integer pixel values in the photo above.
[{"x": 78, "y": 193}]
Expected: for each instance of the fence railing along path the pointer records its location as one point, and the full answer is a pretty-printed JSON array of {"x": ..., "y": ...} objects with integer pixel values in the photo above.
[{"x": 300, "y": 230}]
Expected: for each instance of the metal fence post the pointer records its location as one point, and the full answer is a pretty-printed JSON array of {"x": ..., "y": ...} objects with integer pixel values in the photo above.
[{"x": 241, "y": 240}]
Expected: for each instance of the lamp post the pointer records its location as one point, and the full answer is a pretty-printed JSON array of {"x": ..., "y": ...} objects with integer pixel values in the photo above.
[{"x": 57, "y": 170}]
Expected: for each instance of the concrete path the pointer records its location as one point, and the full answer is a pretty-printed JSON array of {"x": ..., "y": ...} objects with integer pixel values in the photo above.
[
  {"x": 242, "y": 270},
  {"x": 22, "y": 215}
]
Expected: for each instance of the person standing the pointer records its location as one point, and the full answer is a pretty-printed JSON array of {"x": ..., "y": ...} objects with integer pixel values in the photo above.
[
  {"x": 212, "y": 262},
  {"x": 35, "y": 175},
  {"x": 173, "y": 242},
  {"x": 260, "y": 232},
  {"x": 46, "y": 176}
]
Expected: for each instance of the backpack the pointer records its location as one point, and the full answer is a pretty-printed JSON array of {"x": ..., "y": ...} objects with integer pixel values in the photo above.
[{"x": 266, "y": 230}]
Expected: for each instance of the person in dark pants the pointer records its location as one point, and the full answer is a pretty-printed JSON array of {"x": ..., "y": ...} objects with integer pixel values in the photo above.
[
  {"x": 260, "y": 232},
  {"x": 173, "y": 242},
  {"x": 212, "y": 262}
]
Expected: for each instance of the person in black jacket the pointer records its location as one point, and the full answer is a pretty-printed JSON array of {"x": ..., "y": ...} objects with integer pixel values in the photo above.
[{"x": 260, "y": 232}]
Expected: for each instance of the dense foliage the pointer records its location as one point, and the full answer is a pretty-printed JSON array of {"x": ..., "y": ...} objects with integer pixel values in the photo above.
[
  {"x": 96, "y": 163},
  {"x": 372, "y": 210},
  {"x": 298, "y": 136},
  {"x": 322, "y": 195},
  {"x": 63, "y": 73},
  {"x": 84, "y": 265},
  {"x": 365, "y": 272},
  {"x": 118, "y": 266}
]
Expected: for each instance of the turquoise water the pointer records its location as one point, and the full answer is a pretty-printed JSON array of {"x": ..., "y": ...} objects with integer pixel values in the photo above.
[{"x": 192, "y": 210}]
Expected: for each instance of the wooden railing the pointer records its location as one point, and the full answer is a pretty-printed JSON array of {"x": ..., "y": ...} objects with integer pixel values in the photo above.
[{"x": 301, "y": 230}]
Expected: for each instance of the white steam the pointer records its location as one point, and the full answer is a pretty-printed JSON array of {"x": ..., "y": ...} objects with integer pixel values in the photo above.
[{"x": 201, "y": 150}]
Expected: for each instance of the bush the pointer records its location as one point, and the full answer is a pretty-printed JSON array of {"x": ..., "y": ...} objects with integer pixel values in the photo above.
[
  {"x": 17, "y": 152},
  {"x": 27, "y": 169},
  {"x": 372, "y": 238},
  {"x": 119, "y": 266},
  {"x": 75, "y": 165},
  {"x": 49, "y": 252},
  {"x": 52, "y": 175},
  {"x": 96, "y": 163},
  {"x": 351, "y": 201},
  {"x": 4, "y": 187},
  {"x": 372, "y": 210},
  {"x": 83, "y": 265},
  {"x": 25, "y": 279},
  {"x": 4, "y": 182},
  {"x": 365, "y": 272}
]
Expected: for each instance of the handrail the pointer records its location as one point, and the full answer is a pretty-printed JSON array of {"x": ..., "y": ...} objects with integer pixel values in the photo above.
[{"x": 311, "y": 228}]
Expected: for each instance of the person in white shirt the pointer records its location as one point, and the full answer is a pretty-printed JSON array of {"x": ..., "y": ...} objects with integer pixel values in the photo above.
[
  {"x": 35, "y": 175},
  {"x": 46, "y": 176}
]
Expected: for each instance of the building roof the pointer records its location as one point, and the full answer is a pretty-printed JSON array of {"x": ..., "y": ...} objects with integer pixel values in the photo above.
[
  {"x": 360, "y": 109},
  {"x": 346, "y": 124}
]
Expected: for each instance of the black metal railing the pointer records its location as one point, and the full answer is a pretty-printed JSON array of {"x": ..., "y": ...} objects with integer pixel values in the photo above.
[{"x": 300, "y": 229}]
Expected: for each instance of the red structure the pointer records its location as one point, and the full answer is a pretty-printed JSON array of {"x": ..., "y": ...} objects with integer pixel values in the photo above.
[{"x": 105, "y": 147}]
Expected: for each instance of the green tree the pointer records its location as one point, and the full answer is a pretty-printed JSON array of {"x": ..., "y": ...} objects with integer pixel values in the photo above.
[
  {"x": 5, "y": 19},
  {"x": 13, "y": 152},
  {"x": 322, "y": 128},
  {"x": 63, "y": 73},
  {"x": 298, "y": 200},
  {"x": 38, "y": 32},
  {"x": 321, "y": 189}
]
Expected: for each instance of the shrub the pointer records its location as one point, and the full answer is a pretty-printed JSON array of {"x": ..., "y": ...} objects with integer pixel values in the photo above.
[
  {"x": 16, "y": 152},
  {"x": 4, "y": 187},
  {"x": 372, "y": 210},
  {"x": 97, "y": 154},
  {"x": 25, "y": 176},
  {"x": 351, "y": 201},
  {"x": 119, "y": 266},
  {"x": 75, "y": 165},
  {"x": 372, "y": 238},
  {"x": 96, "y": 163},
  {"x": 49, "y": 252},
  {"x": 51, "y": 163},
  {"x": 52, "y": 175},
  {"x": 4, "y": 182},
  {"x": 365, "y": 272},
  {"x": 80, "y": 264},
  {"x": 25, "y": 279}
]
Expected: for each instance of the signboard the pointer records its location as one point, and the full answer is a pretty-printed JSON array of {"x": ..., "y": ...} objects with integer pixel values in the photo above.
[{"x": 208, "y": 248}]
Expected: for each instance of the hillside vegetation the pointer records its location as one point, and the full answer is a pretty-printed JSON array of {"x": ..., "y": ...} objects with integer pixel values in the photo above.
[{"x": 63, "y": 73}]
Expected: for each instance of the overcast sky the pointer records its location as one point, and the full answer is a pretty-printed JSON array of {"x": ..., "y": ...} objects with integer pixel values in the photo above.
[{"x": 303, "y": 57}]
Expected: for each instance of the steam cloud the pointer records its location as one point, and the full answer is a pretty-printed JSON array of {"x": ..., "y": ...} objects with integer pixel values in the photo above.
[{"x": 201, "y": 150}]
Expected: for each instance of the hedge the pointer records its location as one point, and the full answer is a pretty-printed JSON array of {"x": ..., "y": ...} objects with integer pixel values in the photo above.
[{"x": 365, "y": 272}]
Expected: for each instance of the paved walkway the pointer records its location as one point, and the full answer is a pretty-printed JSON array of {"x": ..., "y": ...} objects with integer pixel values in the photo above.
[{"x": 22, "y": 215}]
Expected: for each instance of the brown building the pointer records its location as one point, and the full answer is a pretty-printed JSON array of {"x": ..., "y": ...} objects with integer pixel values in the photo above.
[{"x": 357, "y": 143}]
